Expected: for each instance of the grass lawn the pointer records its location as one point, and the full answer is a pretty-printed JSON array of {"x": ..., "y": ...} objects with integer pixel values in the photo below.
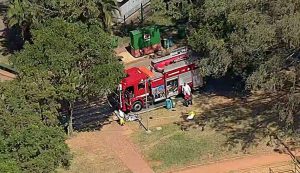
[
  {"x": 158, "y": 19},
  {"x": 3, "y": 59},
  {"x": 232, "y": 129},
  {"x": 171, "y": 148}
]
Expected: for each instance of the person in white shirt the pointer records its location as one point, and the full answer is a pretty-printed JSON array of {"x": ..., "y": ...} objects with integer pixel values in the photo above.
[
  {"x": 187, "y": 92},
  {"x": 121, "y": 117}
]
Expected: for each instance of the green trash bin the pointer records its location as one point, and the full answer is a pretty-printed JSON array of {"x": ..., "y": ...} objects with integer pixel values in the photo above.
[
  {"x": 181, "y": 32},
  {"x": 165, "y": 43}
]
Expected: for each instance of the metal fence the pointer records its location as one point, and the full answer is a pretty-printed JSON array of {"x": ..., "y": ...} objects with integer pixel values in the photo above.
[{"x": 130, "y": 8}]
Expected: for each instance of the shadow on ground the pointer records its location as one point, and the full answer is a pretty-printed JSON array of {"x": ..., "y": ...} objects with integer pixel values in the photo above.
[
  {"x": 90, "y": 115},
  {"x": 246, "y": 120}
]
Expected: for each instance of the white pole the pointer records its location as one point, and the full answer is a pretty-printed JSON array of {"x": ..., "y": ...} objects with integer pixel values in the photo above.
[
  {"x": 146, "y": 94},
  {"x": 146, "y": 86}
]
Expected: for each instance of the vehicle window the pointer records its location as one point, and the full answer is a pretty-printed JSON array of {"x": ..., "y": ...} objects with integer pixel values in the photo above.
[
  {"x": 129, "y": 92},
  {"x": 141, "y": 86}
]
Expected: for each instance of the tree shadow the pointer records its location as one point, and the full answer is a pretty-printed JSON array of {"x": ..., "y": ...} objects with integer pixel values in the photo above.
[
  {"x": 230, "y": 86},
  {"x": 90, "y": 115},
  {"x": 244, "y": 123},
  {"x": 3, "y": 7},
  {"x": 11, "y": 38}
]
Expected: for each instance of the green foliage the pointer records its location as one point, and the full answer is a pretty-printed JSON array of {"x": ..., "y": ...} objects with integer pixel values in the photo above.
[
  {"x": 76, "y": 59},
  {"x": 174, "y": 9},
  {"x": 29, "y": 138},
  {"x": 39, "y": 148},
  {"x": 159, "y": 6},
  {"x": 27, "y": 102},
  {"x": 179, "y": 9},
  {"x": 243, "y": 34},
  {"x": 34, "y": 149},
  {"x": 256, "y": 39},
  {"x": 35, "y": 12},
  {"x": 79, "y": 59},
  {"x": 7, "y": 165},
  {"x": 65, "y": 61}
]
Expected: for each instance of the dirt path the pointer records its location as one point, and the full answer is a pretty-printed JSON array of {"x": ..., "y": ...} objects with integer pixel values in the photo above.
[
  {"x": 115, "y": 136},
  {"x": 238, "y": 164}
]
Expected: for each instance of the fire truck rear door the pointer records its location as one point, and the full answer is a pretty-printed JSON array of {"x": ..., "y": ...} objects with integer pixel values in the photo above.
[{"x": 172, "y": 86}]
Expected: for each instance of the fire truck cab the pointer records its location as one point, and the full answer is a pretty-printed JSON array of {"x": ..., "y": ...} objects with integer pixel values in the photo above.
[{"x": 163, "y": 80}]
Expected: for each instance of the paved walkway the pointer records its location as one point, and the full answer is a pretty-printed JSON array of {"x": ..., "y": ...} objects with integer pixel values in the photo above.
[{"x": 115, "y": 137}]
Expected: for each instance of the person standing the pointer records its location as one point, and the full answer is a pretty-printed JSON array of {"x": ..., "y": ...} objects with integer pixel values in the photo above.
[
  {"x": 187, "y": 92},
  {"x": 121, "y": 117}
]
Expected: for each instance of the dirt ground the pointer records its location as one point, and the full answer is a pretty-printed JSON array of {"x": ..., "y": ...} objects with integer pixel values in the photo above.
[
  {"x": 3, "y": 58},
  {"x": 111, "y": 149},
  {"x": 92, "y": 155},
  {"x": 252, "y": 164},
  {"x": 163, "y": 116}
]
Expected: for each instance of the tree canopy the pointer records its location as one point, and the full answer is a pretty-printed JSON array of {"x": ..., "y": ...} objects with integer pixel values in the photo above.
[
  {"x": 30, "y": 138},
  {"x": 69, "y": 57},
  {"x": 24, "y": 15},
  {"x": 28, "y": 12},
  {"x": 65, "y": 62},
  {"x": 77, "y": 59},
  {"x": 255, "y": 39}
]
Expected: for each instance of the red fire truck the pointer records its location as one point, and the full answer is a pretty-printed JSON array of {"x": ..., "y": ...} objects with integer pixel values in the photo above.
[{"x": 164, "y": 79}]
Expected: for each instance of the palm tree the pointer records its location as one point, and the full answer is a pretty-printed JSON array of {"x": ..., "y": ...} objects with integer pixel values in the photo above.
[
  {"x": 108, "y": 9},
  {"x": 16, "y": 13}
]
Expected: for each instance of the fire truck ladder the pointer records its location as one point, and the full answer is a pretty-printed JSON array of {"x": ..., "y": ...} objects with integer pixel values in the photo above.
[
  {"x": 175, "y": 56},
  {"x": 175, "y": 52}
]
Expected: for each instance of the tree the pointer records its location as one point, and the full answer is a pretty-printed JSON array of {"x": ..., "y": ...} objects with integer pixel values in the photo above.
[
  {"x": 8, "y": 165},
  {"x": 30, "y": 139},
  {"x": 34, "y": 149},
  {"x": 39, "y": 148},
  {"x": 29, "y": 14},
  {"x": 27, "y": 101},
  {"x": 78, "y": 59},
  {"x": 257, "y": 40},
  {"x": 18, "y": 16},
  {"x": 108, "y": 9}
]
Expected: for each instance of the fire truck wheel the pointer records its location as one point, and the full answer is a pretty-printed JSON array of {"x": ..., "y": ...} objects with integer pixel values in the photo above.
[{"x": 137, "y": 106}]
